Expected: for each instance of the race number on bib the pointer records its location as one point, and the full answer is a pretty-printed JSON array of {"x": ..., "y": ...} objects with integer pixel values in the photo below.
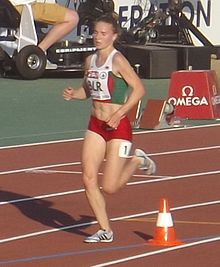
[{"x": 124, "y": 149}]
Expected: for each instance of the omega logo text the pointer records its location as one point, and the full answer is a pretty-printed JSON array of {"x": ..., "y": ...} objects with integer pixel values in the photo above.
[{"x": 188, "y": 98}]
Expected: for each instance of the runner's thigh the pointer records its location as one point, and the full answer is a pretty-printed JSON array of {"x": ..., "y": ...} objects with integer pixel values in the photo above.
[
  {"x": 93, "y": 152},
  {"x": 116, "y": 156}
]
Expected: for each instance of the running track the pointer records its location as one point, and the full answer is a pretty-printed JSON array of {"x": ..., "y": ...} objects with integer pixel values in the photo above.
[{"x": 45, "y": 216}]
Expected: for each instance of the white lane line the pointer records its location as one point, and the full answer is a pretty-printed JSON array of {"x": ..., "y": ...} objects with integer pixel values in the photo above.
[
  {"x": 160, "y": 251},
  {"x": 46, "y": 171},
  {"x": 160, "y": 178},
  {"x": 168, "y": 178},
  {"x": 13, "y": 238},
  {"x": 190, "y": 206},
  {"x": 77, "y": 163},
  {"x": 31, "y": 169},
  {"x": 42, "y": 143},
  {"x": 41, "y": 197},
  {"x": 128, "y": 184},
  {"x": 45, "y": 196},
  {"x": 181, "y": 128},
  {"x": 135, "y": 133},
  {"x": 184, "y": 151}
]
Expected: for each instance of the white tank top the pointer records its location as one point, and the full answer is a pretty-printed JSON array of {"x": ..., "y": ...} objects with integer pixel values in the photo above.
[{"x": 97, "y": 78}]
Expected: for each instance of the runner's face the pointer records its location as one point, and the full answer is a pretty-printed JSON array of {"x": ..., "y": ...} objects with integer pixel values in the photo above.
[{"x": 103, "y": 35}]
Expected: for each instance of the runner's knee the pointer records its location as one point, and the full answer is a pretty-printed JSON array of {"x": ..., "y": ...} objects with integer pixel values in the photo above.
[
  {"x": 90, "y": 180},
  {"x": 110, "y": 188}
]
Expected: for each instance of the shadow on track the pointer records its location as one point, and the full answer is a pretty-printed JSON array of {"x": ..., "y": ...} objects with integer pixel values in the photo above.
[{"x": 42, "y": 211}]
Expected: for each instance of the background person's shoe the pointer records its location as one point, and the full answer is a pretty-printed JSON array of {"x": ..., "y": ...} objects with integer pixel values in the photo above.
[
  {"x": 147, "y": 164},
  {"x": 100, "y": 236}
]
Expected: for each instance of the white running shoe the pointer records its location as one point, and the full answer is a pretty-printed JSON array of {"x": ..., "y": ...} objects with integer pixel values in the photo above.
[
  {"x": 147, "y": 164},
  {"x": 100, "y": 236}
]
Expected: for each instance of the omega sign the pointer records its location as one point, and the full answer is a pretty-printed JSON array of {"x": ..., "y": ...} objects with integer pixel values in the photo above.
[
  {"x": 188, "y": 98},
  {"x": 195, "y": 94}
]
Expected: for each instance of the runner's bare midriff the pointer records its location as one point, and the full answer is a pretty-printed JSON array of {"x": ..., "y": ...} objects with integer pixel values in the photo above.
[{"x": 103, "y": 111}]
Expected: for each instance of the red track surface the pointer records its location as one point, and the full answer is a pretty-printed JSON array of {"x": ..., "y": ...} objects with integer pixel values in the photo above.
[{"x": 34, "y": 232}]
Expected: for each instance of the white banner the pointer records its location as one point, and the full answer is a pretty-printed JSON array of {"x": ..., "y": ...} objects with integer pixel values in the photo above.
[{"x": 203, "y": 13}]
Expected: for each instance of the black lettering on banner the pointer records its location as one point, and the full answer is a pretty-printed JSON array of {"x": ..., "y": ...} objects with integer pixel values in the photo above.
[
  {"x": 200, "y": 11},
  {"x": 134, "y": 18},
  {"x": 206, "y": 16},
  {"x": 137, "y": 13},
  {"x": 188, "y": 7}
]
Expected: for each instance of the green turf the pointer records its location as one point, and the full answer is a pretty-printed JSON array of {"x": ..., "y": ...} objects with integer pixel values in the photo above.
[{"x": 34, "y": 111}]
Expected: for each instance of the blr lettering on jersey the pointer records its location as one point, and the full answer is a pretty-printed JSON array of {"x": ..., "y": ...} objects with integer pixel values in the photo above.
[
  {"x": 97, "y": 81},
  {"x": 95, "y": 85}
]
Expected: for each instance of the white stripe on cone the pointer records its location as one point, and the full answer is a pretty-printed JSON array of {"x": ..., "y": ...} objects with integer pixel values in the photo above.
[{"x": 164, "y": 220}]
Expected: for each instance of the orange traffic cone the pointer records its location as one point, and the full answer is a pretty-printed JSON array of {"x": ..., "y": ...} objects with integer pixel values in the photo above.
[{"x": 164, "y": 232}]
